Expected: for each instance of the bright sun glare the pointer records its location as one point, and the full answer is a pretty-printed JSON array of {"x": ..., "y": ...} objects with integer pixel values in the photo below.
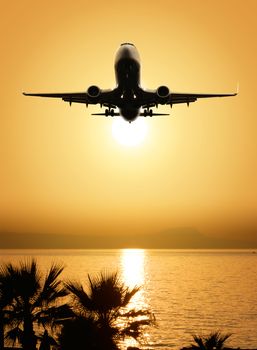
[
  {"x": 129, "y": 134},
  {"x": 133, "y": 261}
]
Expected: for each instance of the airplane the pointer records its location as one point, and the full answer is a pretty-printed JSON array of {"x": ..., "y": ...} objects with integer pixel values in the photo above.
[{"x": 128, "y": 95}]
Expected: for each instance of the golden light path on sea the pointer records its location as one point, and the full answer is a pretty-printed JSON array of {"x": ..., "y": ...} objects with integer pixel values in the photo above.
[
  {"x": 133, "y": 274},
  {"x": 133, "y": 261}
]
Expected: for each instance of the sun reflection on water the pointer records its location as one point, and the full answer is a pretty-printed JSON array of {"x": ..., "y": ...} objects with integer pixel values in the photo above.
[
  {"x": 134, "y": 274},
  {"x": 133, "y": 261}
]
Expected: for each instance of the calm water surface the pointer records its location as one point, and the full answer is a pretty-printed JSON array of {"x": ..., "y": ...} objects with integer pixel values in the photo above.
[{"x": 189, "y": 291}]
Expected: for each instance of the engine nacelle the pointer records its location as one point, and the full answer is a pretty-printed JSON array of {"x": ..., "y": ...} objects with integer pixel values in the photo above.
[
  {"x": 163, "y": 93},
  {"x": 94, "y": 92}
]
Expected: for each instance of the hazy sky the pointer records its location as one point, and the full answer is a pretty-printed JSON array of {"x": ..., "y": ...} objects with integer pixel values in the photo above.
[{"x": 62, "y": 171}]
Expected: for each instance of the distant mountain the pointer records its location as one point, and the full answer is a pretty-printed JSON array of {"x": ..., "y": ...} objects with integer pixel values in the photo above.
[{"x": 177, "y": 238}]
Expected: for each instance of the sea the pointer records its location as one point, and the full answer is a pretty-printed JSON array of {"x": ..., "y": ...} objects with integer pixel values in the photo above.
[{"x": 190, "y": 292}]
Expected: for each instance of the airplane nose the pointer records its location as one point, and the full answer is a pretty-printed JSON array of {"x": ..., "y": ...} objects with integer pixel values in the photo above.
[
  {"x": 127, "y": 52},
  {"x": 127, "y": 44}
]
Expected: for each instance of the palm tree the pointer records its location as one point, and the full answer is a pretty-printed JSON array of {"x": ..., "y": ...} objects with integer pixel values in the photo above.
[
  {"x": 105, "y": 306},
  {"x": 6, "y": 296},
  {"x": 34, "y": 300},
  {"x": 81, "y": 333},
  {"x": 213, "y": 341}
]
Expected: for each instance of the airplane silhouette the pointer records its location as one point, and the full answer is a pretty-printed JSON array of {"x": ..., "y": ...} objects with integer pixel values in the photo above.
[{"x": 128, "y": 96}]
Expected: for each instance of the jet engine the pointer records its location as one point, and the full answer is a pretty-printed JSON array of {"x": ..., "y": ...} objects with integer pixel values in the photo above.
[
  {"x": 163, "y": 93},
  {"x": 93, "y": 92}
]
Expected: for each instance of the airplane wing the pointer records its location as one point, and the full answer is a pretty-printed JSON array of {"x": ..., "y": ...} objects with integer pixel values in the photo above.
[
  {"x": 151, "y": 98},
  {"x": 177, "y": 97},
  {"x": 104, "y": 97},
  {"x": 79, "y": 97}
]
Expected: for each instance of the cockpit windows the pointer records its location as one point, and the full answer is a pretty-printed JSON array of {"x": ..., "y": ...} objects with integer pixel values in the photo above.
[{"x": 126, "y": 44}]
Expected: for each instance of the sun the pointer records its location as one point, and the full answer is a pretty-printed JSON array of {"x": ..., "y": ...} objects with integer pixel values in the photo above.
[{"x": 129, "y": 134}]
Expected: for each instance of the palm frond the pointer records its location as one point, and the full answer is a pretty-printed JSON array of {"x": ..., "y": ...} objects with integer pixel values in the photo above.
[
  {"x": 82, "y": 300},
  {"x": 138, "y": 313},
  {"x": 107, "y": 292},
  {"x": 134, "y": 328},
  {"x": 14, "y": 335},
  {"x": 27, "y": 280},
  {"x": 46, "y": 341},
  {"x": 199, "y": 342},
  {"x": 128, "y": 294},
  {"x": 215, "y": 340},
  {"x": 52, "y": 287},
  {"x": 54, "y": 315},
  {"x": 6, "y": 285}
]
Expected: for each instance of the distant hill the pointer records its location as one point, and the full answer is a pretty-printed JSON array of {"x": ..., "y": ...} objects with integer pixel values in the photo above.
[{"x": 177, "y": 238}]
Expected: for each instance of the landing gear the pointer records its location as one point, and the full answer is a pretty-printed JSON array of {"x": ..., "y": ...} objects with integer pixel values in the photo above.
[
  {"x": 109, "y": 112},
  {"x": 148, "y": 112}
]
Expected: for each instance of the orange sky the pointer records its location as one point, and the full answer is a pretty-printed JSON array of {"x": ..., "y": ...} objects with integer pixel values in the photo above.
[{"x": 61, "y": 169}]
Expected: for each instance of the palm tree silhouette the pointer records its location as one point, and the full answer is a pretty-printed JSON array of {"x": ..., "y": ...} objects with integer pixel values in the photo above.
[
  {"x": 6, "y": 297},
  {"x": 34, "y": 300},
  {"x": 213, "y": 341},
  {"x": 82, "y": 333},
  {"x": 104, "y": 306}
]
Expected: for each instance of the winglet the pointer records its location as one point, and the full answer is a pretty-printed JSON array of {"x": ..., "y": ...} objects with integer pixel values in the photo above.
[{"x": 237, "y": 88}]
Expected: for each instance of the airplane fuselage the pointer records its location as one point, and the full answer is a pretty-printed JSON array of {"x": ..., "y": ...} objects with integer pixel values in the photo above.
[{"x": 127, "y": 73}]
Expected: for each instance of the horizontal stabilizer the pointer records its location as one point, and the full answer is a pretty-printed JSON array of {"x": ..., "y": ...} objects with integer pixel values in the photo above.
[
  {"x": 118, "y": 114},
  {"x": 108, "y": 115},
  {"x": 143, "y": 115}
]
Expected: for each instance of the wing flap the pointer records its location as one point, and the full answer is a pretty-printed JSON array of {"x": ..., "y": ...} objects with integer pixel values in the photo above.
[
  {"x": 151, "y": 99},
  {"x": 177, "y": 97},
  {"x": 106, "y": 98},
  {"x": 80, "y": 97}
]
